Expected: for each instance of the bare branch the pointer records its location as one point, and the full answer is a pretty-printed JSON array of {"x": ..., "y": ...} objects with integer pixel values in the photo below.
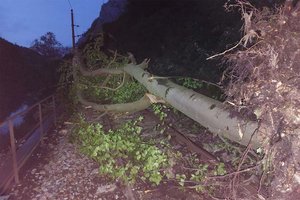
[
  {"x": 135, "y": 106},
  {"x": 100, "y": 71},
  {"x": 131, "y": 58},
  {"x": 115, "y": 89},
  {"x": 113, "y": 60},
  {"x": 81, "y": 66}
]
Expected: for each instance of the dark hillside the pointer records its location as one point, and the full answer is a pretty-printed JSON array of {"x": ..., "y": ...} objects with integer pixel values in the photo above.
[
  {"x": 22, "y": 72},
  {"x": 178, "y": 36}
]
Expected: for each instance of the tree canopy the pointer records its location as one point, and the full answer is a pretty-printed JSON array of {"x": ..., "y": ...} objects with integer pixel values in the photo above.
[{"x": 47, "y": 45}]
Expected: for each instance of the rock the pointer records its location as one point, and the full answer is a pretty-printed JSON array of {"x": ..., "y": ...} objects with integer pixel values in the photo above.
[
  {"x": 94, "y": 171},
  {"x": 42, "y": 172},
  {"x": 33, "y": 171},
  {"x": 4, "y": 197},
  {"x": 43, "y": 198},
  {"x": 63, "y": 132},
  {"x": 109, "y": 12},
  {"x": 105, "y": 189}
]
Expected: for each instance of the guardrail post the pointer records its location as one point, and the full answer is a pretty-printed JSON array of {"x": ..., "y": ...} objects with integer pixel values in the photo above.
[
  {"x": 13, "y": 151},
  {"x": 41, "y": 121},
  {"x": 54, "y": 110}
]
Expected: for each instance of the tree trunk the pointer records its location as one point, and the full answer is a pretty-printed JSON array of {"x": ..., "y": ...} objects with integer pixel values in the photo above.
[{"x": 204, "y": 110}]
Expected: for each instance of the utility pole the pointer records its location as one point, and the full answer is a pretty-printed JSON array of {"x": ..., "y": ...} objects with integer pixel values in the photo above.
[{"x": 73, "y": 31}]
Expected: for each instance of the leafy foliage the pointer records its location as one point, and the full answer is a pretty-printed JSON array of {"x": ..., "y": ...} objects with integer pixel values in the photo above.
[
  {"x": 96, "y": 58},
  {"x": 196, "y": 173},
  {"x": 121, "y": 153},
  {"x": 158, "y": 110},
  {"x": 65, "y": 71},
  {"x": 47, "y": 45},
  {"x": 190, "y": 83},
  {"x": 93, "y": 53},
  {"x": 125, "y": 156},
  {"x": 131, "y": 91}
]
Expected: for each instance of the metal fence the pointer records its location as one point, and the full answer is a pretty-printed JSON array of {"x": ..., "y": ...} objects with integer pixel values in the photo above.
[{"x": 21, "y": 145}]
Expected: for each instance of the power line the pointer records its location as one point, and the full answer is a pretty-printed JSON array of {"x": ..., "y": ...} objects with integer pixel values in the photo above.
[{"x": 70, "y": 4}]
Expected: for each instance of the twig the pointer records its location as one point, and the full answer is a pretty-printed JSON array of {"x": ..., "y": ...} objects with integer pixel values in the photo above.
[
  {"x": 246, "y": 38},
  {"x": 100, "y": 116},
  {"x": 115, "y": 89},
  {"x": 242, "y": 160},
  {"x": 69, "y": 123},
  {"x": 260, "y": 182},
  {"x": 216, "y": 198},
  {"x": 106, "y": 81},
  {"x": 234, "y": 173},
  {"x": 127, "y": 191},
  {"x": 131, "y": 58},
  {"x": 210, "y": 83},
  {"x": 98, "y": 64},
  {"x": 238, "y": 169},
  {"x": 227, "y": 143},
  {"x": 113, "y": 60},
  {"x": 227, "y": 50}
]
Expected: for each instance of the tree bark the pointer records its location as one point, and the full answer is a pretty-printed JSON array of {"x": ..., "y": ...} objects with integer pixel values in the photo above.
[{"x": 204, "y": 110}]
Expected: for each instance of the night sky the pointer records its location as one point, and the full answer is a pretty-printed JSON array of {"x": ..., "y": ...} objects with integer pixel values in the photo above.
[{"x": 22, "y": 21}]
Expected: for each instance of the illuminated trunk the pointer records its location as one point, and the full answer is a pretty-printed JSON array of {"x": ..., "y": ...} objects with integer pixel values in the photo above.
[
  {"x": 208, "y": 112},
  {"x": 204, "y": 110}
]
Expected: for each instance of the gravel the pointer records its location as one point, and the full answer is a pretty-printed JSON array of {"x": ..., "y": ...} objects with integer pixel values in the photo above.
[{"x": 66, "y": 174}]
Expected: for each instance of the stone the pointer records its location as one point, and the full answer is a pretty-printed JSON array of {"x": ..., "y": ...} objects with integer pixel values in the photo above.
[
  {"x": 6, "y": 197},
  {"x": 105, "y": 188}
]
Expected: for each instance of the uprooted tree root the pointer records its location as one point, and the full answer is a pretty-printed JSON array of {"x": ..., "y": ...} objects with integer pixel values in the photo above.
[{"x": 264, "y": 78}]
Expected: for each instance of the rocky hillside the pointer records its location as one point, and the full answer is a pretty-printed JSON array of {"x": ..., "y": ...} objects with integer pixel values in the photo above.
[
  {"x": 23, "y": 72},
  {"x": 110, "y": 11}
]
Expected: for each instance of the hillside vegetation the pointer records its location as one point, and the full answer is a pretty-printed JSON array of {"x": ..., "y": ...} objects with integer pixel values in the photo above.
[{"x": 23, "y": 72}]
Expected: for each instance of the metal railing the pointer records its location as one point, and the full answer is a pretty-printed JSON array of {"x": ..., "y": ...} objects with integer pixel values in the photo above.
[{"x": 20, "y": 154}]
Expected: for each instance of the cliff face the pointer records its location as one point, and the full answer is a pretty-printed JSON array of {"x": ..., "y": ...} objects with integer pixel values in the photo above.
[
  {"x": 110, "y": 11},
  {"x": 22, "y": 72}
]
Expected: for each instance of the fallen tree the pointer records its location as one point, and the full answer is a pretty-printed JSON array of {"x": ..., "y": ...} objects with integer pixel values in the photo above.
[
  {"x": 264, "y": 79},
  {"x": 210, "y": 113}
]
